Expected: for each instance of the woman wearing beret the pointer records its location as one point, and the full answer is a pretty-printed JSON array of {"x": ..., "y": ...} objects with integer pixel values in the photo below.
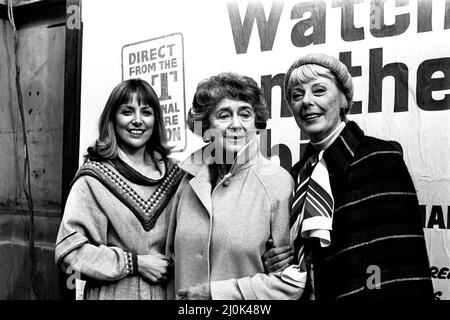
[
  {"x": 231, "y": 201},
  {"x": 114, "y": 228},
  {"x": 355, "y": 213}
]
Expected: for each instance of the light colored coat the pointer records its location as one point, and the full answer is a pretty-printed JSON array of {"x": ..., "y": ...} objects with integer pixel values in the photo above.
[{"x": 219, "y": 235}]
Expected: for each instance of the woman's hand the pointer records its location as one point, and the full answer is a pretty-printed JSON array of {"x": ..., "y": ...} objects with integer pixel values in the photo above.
[
  {"x": 199, "y": 292},
  {"x": 155, "y": 267},
  {"x": 276, "y": 259}
]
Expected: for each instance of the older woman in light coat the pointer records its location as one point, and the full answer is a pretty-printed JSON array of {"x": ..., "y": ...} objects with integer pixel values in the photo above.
[{"x": 231, "y": 201}]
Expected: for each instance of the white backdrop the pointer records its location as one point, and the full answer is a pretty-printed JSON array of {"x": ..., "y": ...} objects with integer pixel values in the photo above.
[{"x": 380, "y": 45}]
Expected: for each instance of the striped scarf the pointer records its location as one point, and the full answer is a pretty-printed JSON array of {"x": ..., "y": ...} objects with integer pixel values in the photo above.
[
  {"x": 312, "y": 212},
  {"x": 313, "y": 204}
]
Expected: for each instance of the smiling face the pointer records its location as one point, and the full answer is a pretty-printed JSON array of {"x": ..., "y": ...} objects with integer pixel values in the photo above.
[
  {"x": 134, "y": 125},
  {"x": 316, "y": 105},
  {"x": 235, "y": 121}
]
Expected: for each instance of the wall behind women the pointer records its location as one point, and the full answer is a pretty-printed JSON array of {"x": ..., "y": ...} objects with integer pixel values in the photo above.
[{"x": 396, "y": 51}]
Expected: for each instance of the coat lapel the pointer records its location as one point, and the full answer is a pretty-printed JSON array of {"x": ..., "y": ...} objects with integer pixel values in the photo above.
[
  {"x": 197, "y": 166},
  {"x": 202, "y": 188}
]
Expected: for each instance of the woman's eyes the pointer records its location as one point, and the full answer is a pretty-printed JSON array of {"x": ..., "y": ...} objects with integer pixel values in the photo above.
[
  {"x": 245, "y": 115},
  {"x": 147, "y": 112},
  {"x": 316, "y": 91},
  {"x": 297, "y": 95},
  {"x": 223, "y": 115},
  {"x": 126, "y": 112},
  {"x": 144, "y": 112},
  {"x": 319, "y": 90}
]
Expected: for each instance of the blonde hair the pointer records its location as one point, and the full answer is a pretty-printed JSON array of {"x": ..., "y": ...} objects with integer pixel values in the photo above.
[{"x": 309, "y": 72}]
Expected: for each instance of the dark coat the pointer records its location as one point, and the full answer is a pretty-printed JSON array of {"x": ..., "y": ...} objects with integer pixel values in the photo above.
[{"x": 376, "y": 224}]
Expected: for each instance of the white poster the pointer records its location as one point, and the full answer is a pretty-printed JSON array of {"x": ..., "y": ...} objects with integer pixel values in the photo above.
[
  {"x": 160, "y": 62},
  {"x": 398, "y": 53}
]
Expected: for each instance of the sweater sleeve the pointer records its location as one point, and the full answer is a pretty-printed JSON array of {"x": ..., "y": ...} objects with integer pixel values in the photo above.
[
  {"x": 273, "y": 286},
  {"x": 81, "y": 243}
]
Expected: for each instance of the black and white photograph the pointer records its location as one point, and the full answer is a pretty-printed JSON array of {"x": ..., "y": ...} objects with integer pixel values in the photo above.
[{"x": 277, "y": 151}]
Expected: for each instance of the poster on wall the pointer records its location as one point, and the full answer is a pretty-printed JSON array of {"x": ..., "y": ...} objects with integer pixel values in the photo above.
[
  {"x": 160, "y": 62},
  {"x": 396, "y": 51}
]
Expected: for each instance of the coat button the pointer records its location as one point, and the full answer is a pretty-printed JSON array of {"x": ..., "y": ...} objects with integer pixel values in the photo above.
[{"x": 226, "y": 183}]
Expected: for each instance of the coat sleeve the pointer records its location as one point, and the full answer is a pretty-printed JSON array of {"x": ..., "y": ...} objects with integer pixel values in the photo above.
[
  {"x": 387, "y": 256},
  {"x": 261, "y": 286},
  {"x": 405, "y": 274},
  {"x": 170, "y": 251},
  {"x": 81, "y": 244},
  {"x": 170, "y": 240}
]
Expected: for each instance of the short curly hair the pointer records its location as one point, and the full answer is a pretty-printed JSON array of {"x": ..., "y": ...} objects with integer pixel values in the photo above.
[{"x": 211, "y": 91}]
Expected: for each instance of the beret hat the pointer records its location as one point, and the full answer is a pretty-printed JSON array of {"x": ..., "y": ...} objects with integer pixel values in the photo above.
[{"x": 336, "y": 67}]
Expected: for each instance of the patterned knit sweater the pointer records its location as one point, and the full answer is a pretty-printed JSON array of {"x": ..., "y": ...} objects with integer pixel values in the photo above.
[
  {"x": 101, "y": 222},
  {"x": 377, "y": 246}
]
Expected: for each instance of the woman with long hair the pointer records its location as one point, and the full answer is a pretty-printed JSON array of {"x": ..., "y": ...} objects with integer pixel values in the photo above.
[{"x": 115, "y": 221}]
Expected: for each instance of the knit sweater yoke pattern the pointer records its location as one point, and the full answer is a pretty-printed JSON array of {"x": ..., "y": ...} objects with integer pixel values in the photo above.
[{"x": 146, "y": 210}]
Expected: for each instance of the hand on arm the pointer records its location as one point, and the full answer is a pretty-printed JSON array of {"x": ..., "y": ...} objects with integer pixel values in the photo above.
[
  {"x": 155, "y": 267},
  {"x": 276, "y": 259},
  {"x": 199, "y": 292}
]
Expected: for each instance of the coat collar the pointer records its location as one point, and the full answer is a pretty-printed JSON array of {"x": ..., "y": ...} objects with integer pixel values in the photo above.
[
  {"x": 342, "y": 151},
  {"x": 199, "y": 161},
  {"x": 197, "y": 165}
]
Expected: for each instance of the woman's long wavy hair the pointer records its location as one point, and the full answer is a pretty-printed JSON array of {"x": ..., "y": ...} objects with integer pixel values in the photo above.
[{"x": 106, "y": 145}]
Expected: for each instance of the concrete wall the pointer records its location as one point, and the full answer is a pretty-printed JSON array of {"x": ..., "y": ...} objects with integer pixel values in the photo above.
[{"x": 42, "y": 51}]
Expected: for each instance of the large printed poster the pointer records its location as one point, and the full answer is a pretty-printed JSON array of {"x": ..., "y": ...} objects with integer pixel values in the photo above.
[
  {"x": 160, "y": 62},
  {"x": 396, "y": 50}
]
